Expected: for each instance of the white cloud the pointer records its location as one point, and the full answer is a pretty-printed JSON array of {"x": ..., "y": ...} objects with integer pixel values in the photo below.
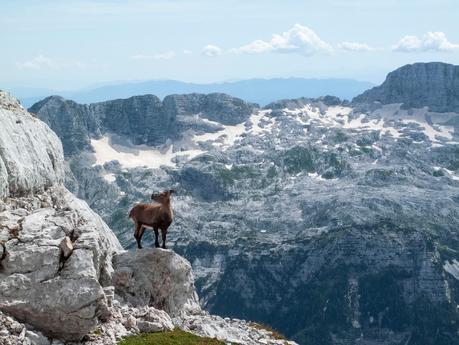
[
  {"x": 299, "y": 39},
  {"x": 158, "y": 56},
  {"x": 44, "y": 62},
  {"x": 212, "y": 50},
  {"x": 432, "y": 41},
  {"x": 355, "y": 47}
]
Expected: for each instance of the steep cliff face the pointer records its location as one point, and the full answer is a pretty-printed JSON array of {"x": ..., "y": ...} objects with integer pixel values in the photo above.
[
  {"x": 64, "y": 276},
  {"x": 31, "y": 157},
  {"x": 434, "y": 85},
  {"x": 57, "y": 251},
  {"x": 214, "y": 106},
  {"x": 141, "y": 119}
]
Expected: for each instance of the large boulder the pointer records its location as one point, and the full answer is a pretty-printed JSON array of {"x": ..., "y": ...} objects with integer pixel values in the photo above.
[
  {"x": 61, "y": 296},
  {"x": 155, "y": 277}
]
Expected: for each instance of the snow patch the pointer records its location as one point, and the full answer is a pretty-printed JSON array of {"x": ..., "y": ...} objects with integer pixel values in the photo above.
[
  {"x": 109, "y": 177},
  {"x": 136, "y": 155},
  {"x": 452, "y": 175},
  {"x": 230, "y": 134},
  {"x": 452, "y": 268},
  {"x": 431, "y": 132},
  {"x": 316, "y": 176},
  {"x": 340, "y": 117}
]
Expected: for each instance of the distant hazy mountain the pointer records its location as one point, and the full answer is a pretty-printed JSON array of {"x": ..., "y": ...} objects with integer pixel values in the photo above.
[
  {"x": 434, "y": 85},
  {"x": 261, "y": 91}
]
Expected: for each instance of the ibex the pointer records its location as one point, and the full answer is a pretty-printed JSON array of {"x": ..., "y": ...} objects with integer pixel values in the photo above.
[{"x": 154, "y": 216}]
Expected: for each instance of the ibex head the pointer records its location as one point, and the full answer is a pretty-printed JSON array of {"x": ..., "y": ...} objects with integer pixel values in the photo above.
[{"x": 163, "y": 197}]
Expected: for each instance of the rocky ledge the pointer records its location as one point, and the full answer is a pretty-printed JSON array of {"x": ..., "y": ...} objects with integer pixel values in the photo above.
[{"x": 64, "y": 277}]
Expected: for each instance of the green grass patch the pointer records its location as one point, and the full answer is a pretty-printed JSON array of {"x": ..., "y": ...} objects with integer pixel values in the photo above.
[
  {"x": 175, "y": 337},
  {"x": 275, "y": 334}
]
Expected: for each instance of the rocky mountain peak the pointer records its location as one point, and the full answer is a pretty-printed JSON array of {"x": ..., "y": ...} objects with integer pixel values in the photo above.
[
  {"x": 434, "y": 85},
  {"x": 8, "y": 102},
  {"x": 141, "y": 119}
]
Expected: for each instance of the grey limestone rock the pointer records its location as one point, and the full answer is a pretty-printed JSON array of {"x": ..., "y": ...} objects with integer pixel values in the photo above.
[
  {"x": 434, "y": 85},
  {"x": 141, "y": 119},
  {"x": 155, "y": 277},
  {"x": 31, "y": 158}
]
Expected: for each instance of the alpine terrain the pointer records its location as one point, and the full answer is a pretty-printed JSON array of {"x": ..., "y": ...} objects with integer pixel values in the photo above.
[
  {"x": 64, "y": 277},
  {"x": 334, "y": 222}
]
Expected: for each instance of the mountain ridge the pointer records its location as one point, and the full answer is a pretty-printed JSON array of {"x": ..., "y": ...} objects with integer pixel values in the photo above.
[
  {"x": 261, "y": 91},
  {"x": 144, "y": 119},
  {"x": 433, "y": 84}
]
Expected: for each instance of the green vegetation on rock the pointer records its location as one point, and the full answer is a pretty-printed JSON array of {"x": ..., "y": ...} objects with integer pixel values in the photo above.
[{"x": 175, "y": 337}]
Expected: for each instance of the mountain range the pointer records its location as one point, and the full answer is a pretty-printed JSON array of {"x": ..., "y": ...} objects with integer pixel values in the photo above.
[
  {"x": 261, "y": 91},
  {"x": 334, "y": 222}
]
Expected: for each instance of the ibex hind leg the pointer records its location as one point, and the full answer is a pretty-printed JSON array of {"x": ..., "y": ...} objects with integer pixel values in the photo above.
[
  {"x": 138, "y": 234},
  {"x": 163, "y": 235},
  {"x": 156, "y": 238}
]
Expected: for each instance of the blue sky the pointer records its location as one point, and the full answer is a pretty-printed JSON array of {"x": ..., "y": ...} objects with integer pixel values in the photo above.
[{"x": 72, "y": 44}]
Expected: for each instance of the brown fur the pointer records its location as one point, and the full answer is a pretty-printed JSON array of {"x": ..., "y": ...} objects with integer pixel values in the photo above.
[{"x": 156, "y": 216}]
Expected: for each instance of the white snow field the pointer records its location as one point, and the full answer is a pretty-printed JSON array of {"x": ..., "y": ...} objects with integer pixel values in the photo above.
[{"x": 390, "y": 120}]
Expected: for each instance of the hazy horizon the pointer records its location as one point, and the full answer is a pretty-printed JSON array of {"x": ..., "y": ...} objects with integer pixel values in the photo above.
[{"x": 76, "y": 44}]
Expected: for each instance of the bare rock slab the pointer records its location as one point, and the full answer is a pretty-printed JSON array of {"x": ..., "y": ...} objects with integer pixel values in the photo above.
[{"x": 155, "y": 277}]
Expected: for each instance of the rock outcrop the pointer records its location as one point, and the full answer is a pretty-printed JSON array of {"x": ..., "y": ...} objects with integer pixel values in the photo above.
[
  {"x": 141, "y": 119},
  {"x": 157, "y": 278},
  {"x": 63, "y": 297},
  {"x": 434, "y": 85},
  {"x": 31, "y": 157},
  {"x": 217, "y": 107},
  {"x": 298, "y": 103},
  {"x": 56, "y": 291}
]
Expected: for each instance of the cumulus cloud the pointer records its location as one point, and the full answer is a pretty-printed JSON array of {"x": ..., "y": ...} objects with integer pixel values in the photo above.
[
  {"x": 355, "y": 47},
  {"x": 432, "y": 41},
  {"x": 158, "y": 56},
  {"x": 212, "y": 50},
  {"x": 299, "y": 39},
  {"x": 44, "y": 62}
]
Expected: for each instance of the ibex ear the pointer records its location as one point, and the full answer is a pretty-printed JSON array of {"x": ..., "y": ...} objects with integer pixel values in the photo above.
[
  {"x": 171, "y": 191},
  {"x": 153, "y": 196}
]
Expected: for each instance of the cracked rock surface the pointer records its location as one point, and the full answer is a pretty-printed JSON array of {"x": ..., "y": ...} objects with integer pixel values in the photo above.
[{"x": 60, "y": 296}]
